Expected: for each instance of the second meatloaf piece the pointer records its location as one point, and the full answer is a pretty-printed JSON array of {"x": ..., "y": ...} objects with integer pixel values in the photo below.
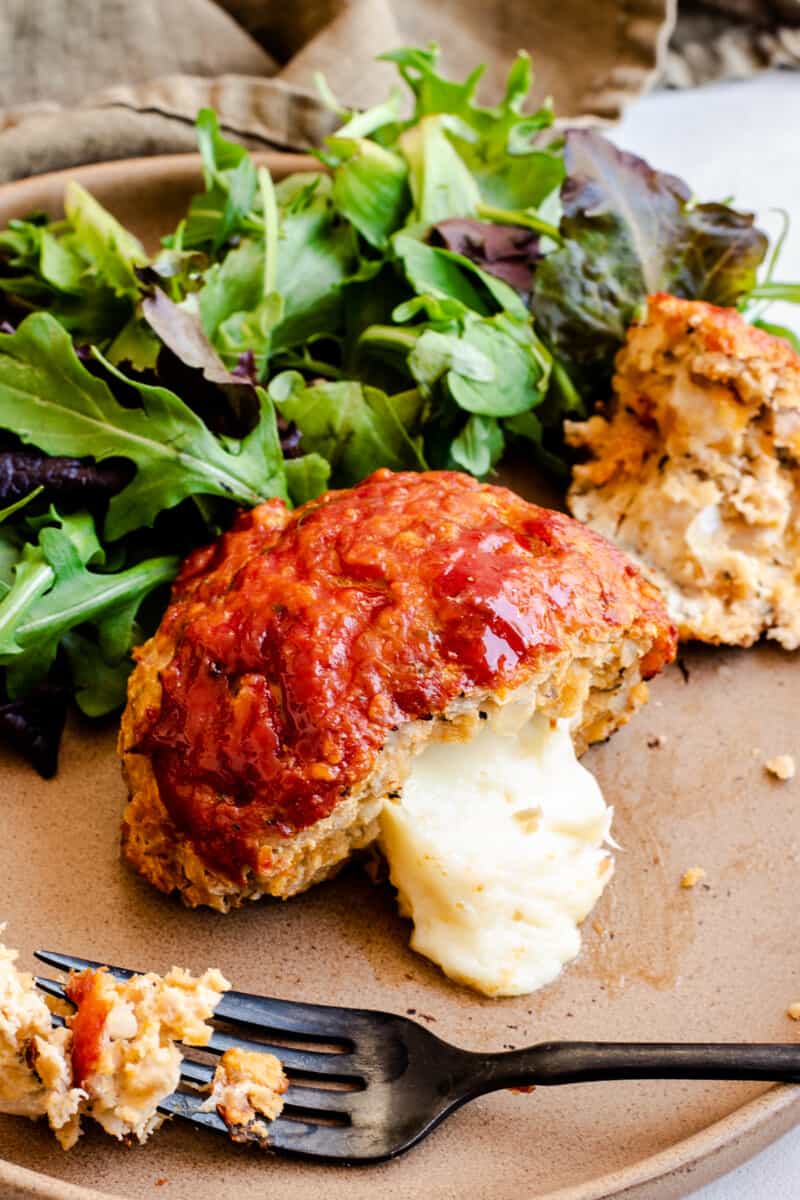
[
  {"x": 695, "y": 470},
  {"x": 308, "y": 655}
]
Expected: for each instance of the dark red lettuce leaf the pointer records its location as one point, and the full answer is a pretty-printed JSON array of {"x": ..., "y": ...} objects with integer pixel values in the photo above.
[
  {"x": 189, "y": 365},
  {"x": 630, "y": 231},
  {"x": 67, "y": 480},
  {"x": 33, "y": 725},
  {"x": 508, "y": 251}
]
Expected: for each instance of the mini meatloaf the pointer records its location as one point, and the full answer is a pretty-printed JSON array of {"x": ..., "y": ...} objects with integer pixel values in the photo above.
[
  {"x": 307, "y": 655},
  {"x": 695, "y": 470}
]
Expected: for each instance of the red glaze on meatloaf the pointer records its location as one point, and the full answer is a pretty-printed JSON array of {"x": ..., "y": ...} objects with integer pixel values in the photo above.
[{"x": 300, "y": 640}]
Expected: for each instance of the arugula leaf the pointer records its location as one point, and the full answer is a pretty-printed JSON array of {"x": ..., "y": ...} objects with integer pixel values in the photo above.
[
  {"x": 74, "y": 596},
  {"x": 628, "y": 231},
  {"x": 48, "y": 398},
  {"x": 135, "y": 346},
  {"x": 353, "y": 426},
  {"x": 16, "y": 505}
]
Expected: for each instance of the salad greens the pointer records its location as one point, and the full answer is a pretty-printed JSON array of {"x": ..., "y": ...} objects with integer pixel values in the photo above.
[{"x": 448, "y": 284}]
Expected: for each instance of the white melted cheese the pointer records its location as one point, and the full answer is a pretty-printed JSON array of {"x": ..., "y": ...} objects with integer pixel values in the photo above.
[{"x": 496, "y": 849}]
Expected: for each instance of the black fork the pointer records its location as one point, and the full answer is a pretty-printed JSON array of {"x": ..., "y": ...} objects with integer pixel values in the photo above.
[{"x": 366, "y": 1086}]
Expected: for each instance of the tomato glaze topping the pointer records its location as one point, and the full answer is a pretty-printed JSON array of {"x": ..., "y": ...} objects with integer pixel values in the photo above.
[
  {"x": 301, "y": 640},
  {"x": 93, "y": 1004}
]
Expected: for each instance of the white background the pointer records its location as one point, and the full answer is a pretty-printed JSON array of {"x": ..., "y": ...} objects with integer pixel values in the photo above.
[{"x": 740, "y": 140}]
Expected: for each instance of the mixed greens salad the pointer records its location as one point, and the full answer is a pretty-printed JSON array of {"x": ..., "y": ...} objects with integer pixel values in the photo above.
[{"x": 446, "y": 285}]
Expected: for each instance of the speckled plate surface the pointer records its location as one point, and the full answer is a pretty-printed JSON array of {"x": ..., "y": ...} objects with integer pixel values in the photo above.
[{"x": 718, "y": 962}]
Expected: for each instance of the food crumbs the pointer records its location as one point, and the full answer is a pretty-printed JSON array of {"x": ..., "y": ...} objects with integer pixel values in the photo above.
[
  {"x": 656, "y": 741},
  {"x": 781, "y": 766},
  {"x": 598, "y": 928},
  {"x": 692, "y": 877},
  {"x": 793, "y": 1011}
]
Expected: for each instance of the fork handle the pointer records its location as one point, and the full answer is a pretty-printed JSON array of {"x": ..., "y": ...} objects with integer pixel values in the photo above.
[{"x": 550, "y": 1063}]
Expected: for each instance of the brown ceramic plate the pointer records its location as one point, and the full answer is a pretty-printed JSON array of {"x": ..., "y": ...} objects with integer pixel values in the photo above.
[{"x": 715, "y": 963}]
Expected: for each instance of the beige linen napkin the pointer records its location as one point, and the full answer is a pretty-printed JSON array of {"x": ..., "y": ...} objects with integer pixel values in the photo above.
[
  {"x": 85, "y": 80},
  {"x": 88, "y": 80}
]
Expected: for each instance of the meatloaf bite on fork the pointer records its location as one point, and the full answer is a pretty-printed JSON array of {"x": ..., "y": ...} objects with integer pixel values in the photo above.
[{"x": 307, "y": 656}]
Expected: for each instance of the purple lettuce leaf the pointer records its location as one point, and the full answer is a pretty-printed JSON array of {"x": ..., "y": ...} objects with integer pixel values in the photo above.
[{"x": 510, "y": 252}]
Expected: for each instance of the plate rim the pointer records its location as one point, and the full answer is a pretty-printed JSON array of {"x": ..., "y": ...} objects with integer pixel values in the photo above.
[
  {"x": 721, "y": 1146},
  {"x": 708, "y": 1153}
]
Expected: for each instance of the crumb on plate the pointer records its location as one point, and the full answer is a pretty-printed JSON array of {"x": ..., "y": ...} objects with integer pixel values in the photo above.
[
  {"x": 692, "y": 877},
  {"x": 782, "y": 766}
]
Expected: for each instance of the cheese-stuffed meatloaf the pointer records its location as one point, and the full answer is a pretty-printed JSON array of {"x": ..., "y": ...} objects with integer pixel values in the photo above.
[
  {"x": 695, "y": 470},
  {"x": 308, "y": 656}
]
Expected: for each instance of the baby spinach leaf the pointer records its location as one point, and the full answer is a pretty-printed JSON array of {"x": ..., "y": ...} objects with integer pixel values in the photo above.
[{"x": 479, "y": 445}]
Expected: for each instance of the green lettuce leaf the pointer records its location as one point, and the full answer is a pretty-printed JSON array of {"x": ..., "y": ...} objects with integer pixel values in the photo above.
[
  {"x": 479, "y": 445},
  {"x": 629, "y": 231},
  {"x": 100, "y": 686},
  {"x": 307, "y": 477},
  {"x": 370, "y": 186},
  {"x": 352, "y": 426},
  {"x": 49, "y": 399},
  {"x": 316, "y": 255}
]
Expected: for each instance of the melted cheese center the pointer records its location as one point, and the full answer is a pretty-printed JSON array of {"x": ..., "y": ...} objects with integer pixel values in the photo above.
[{"x": 496, "y": 849}]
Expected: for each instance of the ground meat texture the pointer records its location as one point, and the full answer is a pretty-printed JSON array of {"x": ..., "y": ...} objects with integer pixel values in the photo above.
[{"x": 694, "y": 469}]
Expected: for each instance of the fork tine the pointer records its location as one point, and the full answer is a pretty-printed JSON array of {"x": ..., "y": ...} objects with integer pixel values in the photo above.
[
  {"x": 309, "y": 1140},
  {"x": 321, "y": 1100},
  {"x": 310, "y": 1063},
  {"x": 285, "y": 1134},
  {"x": 312, "y": 1021},
  {"x": 306, "y": 1062},
  {"x": 187, "y": 1106},
  {"x": 51, "y": 987},
  {"x": 196, "y": 1072},
  {"x": 289, "y": 1016},
  {"x": 67, "y": 962}
]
